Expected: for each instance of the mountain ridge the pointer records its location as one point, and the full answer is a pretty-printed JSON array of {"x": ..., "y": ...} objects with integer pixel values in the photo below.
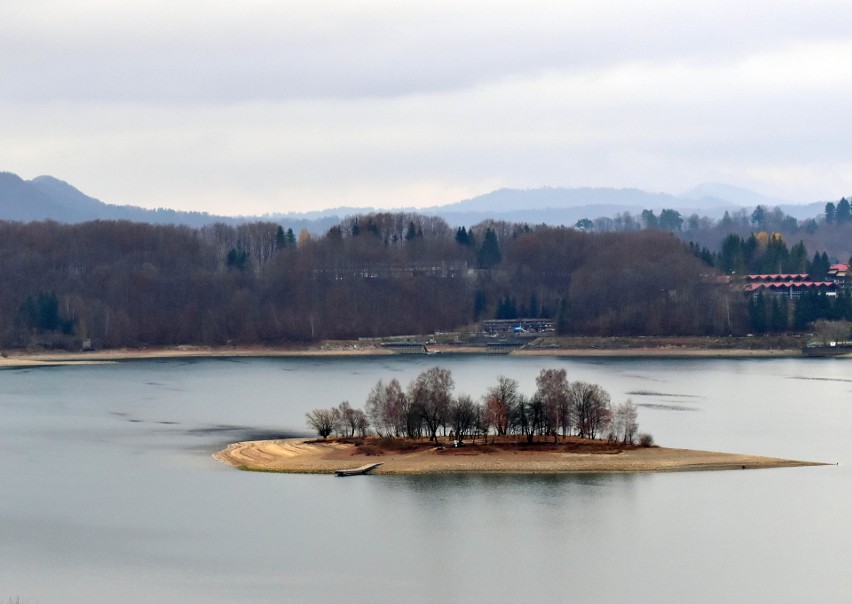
[{"x": 49, "y": 198}]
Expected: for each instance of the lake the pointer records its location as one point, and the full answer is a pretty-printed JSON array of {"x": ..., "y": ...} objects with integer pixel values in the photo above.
[{"x": 110, "y": 493}]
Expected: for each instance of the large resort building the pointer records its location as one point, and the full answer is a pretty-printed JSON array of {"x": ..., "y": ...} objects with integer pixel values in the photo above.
[{"x": 793, "y": 286}]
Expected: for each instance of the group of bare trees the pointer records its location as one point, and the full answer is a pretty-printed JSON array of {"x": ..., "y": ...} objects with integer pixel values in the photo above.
[
  {"x": 129, "y": 284},
  {"x": 343, "y": 420},
  {"x": 556, "y": 408}
]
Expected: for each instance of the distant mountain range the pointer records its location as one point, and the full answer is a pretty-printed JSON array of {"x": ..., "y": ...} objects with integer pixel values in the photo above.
[{"x": 48, "y": 198}]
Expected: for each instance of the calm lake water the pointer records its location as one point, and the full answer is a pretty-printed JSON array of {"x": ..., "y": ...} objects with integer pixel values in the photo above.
[{"x": 110, "y": 493}]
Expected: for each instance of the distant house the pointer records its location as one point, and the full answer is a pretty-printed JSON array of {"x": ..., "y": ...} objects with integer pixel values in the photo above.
[
  {"x": 839, "y": 274},
  {"x": 790, "y": 286},
  {"x": 516, "y": 326}
]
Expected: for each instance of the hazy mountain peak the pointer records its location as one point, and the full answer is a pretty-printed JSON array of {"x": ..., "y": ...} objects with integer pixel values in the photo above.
[
  {"x": 731, "y": 194},
  {"x": 10, "y": 179}
]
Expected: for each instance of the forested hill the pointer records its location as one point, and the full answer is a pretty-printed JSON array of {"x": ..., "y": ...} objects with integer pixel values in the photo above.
[{"x": 129, "y": 284}]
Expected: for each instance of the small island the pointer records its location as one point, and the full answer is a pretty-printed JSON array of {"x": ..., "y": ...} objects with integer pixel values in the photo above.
[
  {"x": 562, "y": 427},
  {"x": 573, "y": 455}
]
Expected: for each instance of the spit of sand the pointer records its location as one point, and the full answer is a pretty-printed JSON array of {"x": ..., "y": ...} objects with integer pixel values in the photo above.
[{"x": 317, "y": 457}]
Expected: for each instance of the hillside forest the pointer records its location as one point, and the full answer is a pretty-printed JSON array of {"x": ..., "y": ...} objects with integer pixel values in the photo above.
[{"x": 135, "y": 284}]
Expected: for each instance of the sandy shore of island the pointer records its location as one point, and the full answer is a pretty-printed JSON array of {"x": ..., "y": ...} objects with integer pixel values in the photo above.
[{"x": 305, "y": 456}]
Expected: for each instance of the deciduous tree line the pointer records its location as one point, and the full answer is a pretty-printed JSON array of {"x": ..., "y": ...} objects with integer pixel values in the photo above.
[
  {"x": 131, "y": 284},
  {"x": 557, "y": 408}
]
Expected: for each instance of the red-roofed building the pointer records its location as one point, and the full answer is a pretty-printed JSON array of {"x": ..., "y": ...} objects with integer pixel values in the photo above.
[
  {"x": 777, "y": 278},
  {"x": 790, "y": 286}
]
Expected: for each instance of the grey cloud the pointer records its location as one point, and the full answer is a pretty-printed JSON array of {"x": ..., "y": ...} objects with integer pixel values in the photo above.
[{"x": 383, "y": 50}]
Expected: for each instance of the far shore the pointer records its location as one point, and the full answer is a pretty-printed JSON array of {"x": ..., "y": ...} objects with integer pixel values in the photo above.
[
  {"x": 309, "y": 456},
  {"x": 21, "y": 358}
]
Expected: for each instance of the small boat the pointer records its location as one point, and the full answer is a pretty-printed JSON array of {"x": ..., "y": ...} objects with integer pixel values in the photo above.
[{"x": 357, "y": 471}]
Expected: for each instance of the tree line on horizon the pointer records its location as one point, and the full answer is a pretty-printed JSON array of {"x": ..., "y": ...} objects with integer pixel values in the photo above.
[
  {"x": 557, "y": 409},
  {"x": 830, "y": 232},
  {"x": 134, "y": 284}
]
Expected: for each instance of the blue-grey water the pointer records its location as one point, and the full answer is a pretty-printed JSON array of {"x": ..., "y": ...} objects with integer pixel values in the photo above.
[{"x": 109, "y": 493}]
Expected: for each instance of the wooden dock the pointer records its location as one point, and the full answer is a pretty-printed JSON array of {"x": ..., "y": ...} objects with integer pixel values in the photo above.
[{"x": 357, "y": 471}]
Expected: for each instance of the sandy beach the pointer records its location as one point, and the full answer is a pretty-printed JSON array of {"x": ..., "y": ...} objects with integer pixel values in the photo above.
[{"x": 307, "y": 456}]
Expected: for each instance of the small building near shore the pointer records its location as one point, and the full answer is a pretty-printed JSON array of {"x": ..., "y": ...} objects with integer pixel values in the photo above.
[{"x": 839, "y": 274}]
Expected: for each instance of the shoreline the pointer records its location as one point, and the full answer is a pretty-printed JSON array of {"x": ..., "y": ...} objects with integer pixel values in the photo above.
[
  {"x": 309, "y": 456},
  {"x": 24, "y": 359}
]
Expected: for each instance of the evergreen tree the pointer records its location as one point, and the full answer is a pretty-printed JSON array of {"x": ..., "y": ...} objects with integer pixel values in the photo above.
[
  {"x": 805, "y": 312},
  {"x": 775, "y": 258},
  {"x": 42, "y": 313},
  {"x": 758, "y": 218},
  {"x": 480, "y": 303},
  {"x": 650, "y": 220},
  {"x": 670, "y": 220},
  {"x": 830, "y": 213},
  {"x": 798, "y": 259},
  {"x": 237, "y": 258},
  {"x": 584, "y": 224},
  {"x": 757, "y": 313},
  {"x": 373, "y": 229},
  {"x": 843, "y": 306},
  {"x": 844, "y": 213},
  {"x": 562, "y": 321},
  {"x": 461, "y": 236},
  {"x": 534, "y": 310},
  {"x": 731, "y": 258},
  {"x": 411, "y": 232},
  {"x": 819, "y": 266},
  {"x": 489, "y": 254},
  {"x": 778, "y": 315}
]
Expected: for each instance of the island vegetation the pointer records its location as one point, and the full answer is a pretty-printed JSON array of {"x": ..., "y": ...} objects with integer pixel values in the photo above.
[{"x": 557, "y": 410}]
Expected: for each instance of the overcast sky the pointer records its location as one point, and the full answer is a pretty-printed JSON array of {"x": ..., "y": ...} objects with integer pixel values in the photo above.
[{"x": 273, "y": 106}]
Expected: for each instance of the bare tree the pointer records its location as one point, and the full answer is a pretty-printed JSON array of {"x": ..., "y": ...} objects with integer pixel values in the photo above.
[
  {"x": 624, "y": 425},
  {"x": 431, "y": 395},
  {"x": 321, "y": 420},
  {"x": 500, "y": 403},
  {"x": 591, "y": 407},
  {"x": 463, "y": 416},
  {"x": 345, "y": 421},
  {"x": 377, "y": 410},
  {"x": 361, "y": 423},
  {"x": 411, "y": 417},
  {"x": 521, "y": 417},
  {"x": 480, "y": 425},
  {"x": 832, "y": 331},
  {"x": 552, "y": 387},
  {"x": 540, "y": 418},
  {"x": 397, "y": 405},
  {"x": 386, "y": 407}
]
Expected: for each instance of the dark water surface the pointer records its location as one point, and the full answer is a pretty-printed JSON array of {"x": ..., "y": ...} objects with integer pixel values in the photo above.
[{"x": 108, "y": 491}]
